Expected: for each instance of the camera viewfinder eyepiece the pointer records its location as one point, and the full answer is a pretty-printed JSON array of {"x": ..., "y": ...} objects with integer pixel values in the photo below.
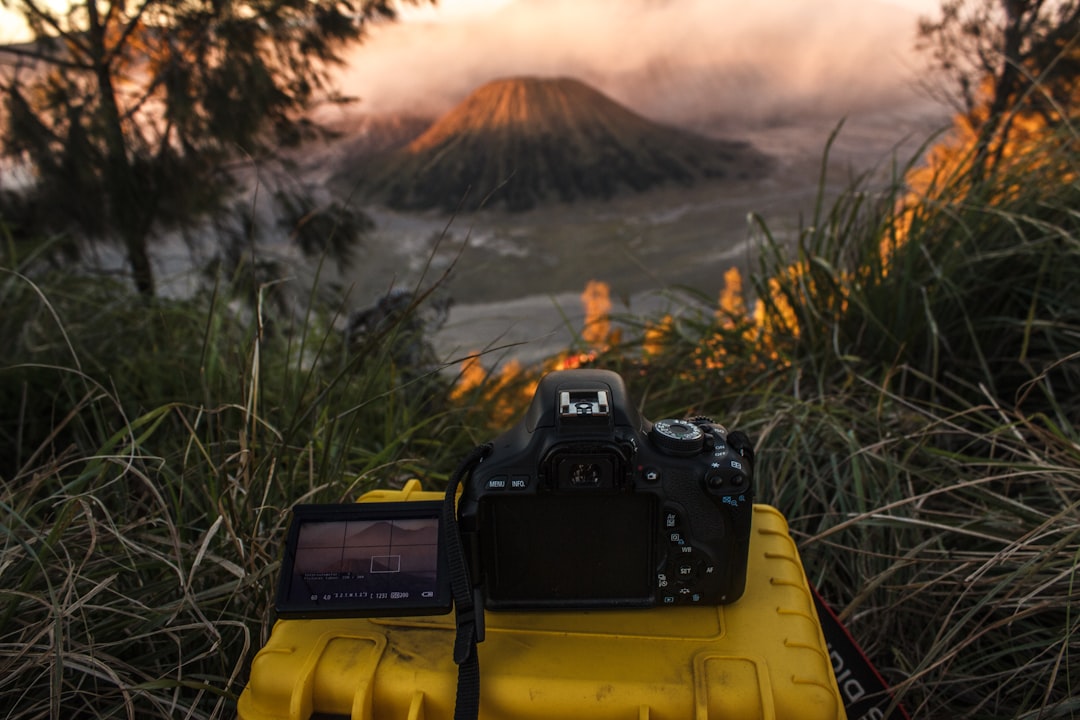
[{"x": 583, "y": 471}]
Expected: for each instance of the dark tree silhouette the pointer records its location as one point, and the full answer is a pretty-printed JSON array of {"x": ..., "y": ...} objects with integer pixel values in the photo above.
[
  {"x": 128, "y": 113},
  {"x": 1004, "y": 58}
]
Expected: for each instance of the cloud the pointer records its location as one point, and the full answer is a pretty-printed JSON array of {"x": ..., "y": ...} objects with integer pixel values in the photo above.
[{"x": 676, "y": 60}]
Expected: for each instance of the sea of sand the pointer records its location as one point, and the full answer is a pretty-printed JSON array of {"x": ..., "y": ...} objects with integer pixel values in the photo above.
[{"x": 516, "y": 280}]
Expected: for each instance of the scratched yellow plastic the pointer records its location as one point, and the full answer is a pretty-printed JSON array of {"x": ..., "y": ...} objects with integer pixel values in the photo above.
[{"x": 762, "y": 657}]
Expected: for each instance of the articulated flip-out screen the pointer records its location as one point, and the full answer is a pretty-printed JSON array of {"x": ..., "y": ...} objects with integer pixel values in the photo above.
[{"x": 364, "y": 560}]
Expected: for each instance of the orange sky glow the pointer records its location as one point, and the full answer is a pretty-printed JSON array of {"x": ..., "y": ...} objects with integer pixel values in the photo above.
[
  {"x": 13, "y": 29},
  {"x": 675, "y": 61}
]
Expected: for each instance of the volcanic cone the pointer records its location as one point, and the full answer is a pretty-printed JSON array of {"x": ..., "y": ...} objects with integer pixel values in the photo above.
[{"x": 523, "y": 141}]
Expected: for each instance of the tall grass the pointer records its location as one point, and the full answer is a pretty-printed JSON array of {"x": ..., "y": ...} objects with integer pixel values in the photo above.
[
  {"x": 911, "y": 375},
  {"x": 150, "y": 457},
  {"x": 912, "y": 378}
]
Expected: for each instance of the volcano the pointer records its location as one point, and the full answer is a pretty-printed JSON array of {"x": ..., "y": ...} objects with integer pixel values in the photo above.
[{"x": 520, "y": 142}]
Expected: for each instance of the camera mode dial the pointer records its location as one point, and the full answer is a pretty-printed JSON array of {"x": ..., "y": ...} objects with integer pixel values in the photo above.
[{"x": 677, "y": 437}]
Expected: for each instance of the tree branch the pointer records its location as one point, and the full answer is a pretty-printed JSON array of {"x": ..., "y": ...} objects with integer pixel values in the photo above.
[
  {"x": 39, "y": 56},
  {"x": 129, "y": 28},
  {"x": 33, "y": 11}
]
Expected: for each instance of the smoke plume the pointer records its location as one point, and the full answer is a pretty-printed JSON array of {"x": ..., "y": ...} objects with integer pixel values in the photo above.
[{"x": 684, "y": 61}]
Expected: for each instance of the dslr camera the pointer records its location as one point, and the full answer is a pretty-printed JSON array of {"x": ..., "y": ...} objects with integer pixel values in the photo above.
[{"x": 583, "y": 504}]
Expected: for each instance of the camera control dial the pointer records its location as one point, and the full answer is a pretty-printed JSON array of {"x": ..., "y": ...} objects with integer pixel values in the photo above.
[{"x": 677, "y": 437}]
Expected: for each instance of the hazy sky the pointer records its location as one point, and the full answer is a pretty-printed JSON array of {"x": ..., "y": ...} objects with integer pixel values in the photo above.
[
  {"x": 445, "y": 10},
  {"x": 457, "y": 9},
  {"x": 666, "y": 58},
  {"x": 669, "y": 59}
]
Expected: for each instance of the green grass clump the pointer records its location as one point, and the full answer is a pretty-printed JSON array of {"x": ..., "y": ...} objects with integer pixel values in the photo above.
[
  {"x": 911, "y": 376},
  {"x": 150, "y": 457},
  {"x": 912, "y": 379}
]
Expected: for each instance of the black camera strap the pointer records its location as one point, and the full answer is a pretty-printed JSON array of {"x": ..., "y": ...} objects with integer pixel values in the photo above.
[
  {"x": 468, "y": 609},
  {"x": 864, "y": 692}
]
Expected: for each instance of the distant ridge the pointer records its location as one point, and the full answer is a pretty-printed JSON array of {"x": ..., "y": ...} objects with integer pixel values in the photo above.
[{"x": 523, "y": 141}]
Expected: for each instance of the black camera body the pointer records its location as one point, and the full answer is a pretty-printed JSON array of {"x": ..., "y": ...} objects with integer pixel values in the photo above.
[
  {"x": 582, "y": 504},
  {"x": 586, "y": 504}
]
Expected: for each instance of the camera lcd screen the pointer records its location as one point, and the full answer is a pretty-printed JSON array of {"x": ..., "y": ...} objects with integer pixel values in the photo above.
[
  {"x": 569, "y": 550},
  {"x": 364, "y": 560}
]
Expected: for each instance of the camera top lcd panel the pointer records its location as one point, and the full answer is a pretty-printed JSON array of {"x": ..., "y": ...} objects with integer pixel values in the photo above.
[
  {"x": 364, "y": 560},
  {"x": 586, "y": 504}
]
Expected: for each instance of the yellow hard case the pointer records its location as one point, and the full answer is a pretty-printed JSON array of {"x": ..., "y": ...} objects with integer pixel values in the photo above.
[{"x": 762, "y": 657}]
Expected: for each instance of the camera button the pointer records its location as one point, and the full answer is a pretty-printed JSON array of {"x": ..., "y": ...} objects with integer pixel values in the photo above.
[
  {"x": 519, "y": 482},
  {"x": 716, "y": 482},
  {"x": 496, "y": 483},
  {"x": 650, "y": 474},
  {"x": 672, "y": 519}
]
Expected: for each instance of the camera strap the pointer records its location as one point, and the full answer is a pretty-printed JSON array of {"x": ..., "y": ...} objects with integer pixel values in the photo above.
[
  {"x": 864, "y": 692},
  {"x": 468, "y": 608}
]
